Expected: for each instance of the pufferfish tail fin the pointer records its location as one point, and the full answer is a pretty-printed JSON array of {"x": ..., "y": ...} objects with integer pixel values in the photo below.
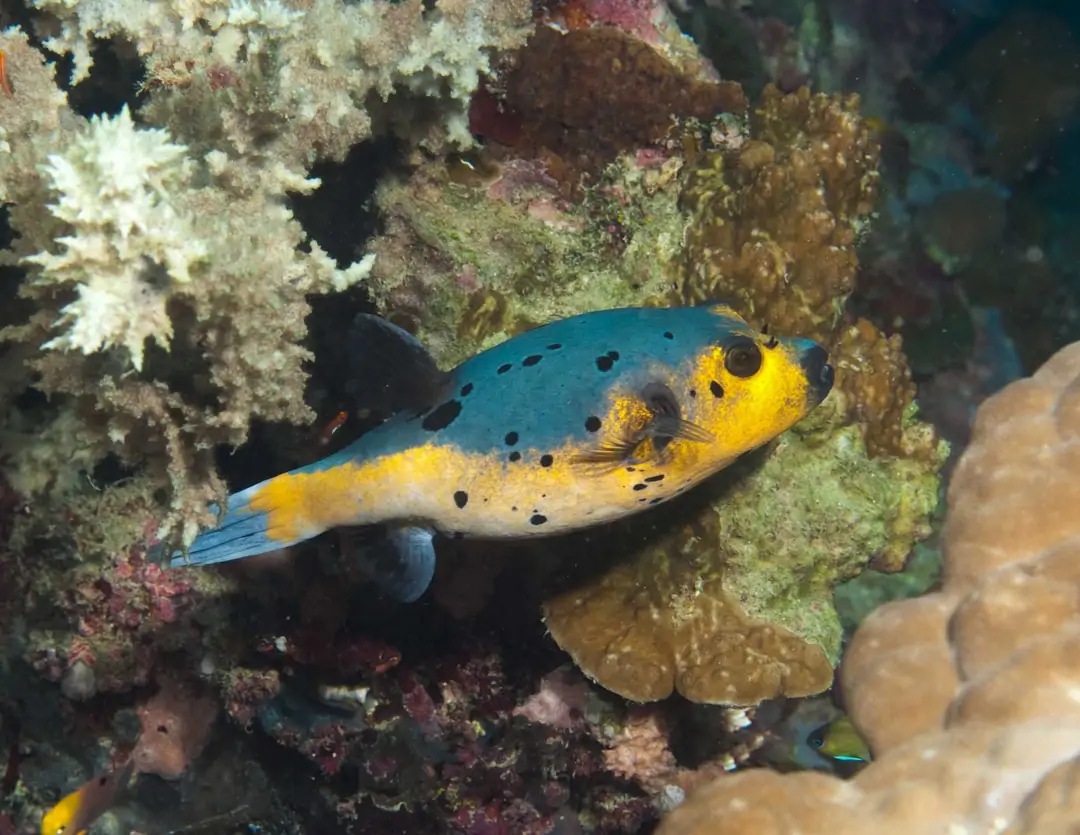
[
  {"x": 271, "y": 515},
  {"x": 297, "y": 506}
]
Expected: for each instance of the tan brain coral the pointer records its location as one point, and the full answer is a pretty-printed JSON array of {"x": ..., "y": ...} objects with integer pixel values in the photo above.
[{"x": 968, "y": 696}]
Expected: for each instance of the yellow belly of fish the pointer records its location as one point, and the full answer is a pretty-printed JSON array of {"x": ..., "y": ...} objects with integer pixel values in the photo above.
[{"x": 490, "y": 496}]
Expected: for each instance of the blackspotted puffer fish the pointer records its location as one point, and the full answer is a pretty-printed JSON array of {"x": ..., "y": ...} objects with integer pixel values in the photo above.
[{"x": 582, "y": 421}]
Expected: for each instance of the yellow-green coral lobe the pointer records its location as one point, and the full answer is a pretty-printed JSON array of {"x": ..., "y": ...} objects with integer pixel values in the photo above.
[{"x": 583, "y": 421}]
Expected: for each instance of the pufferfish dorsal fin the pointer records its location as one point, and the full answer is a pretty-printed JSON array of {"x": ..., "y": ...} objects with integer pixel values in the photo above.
[
  {"x": 390, "y": 370},
  {"x": 646, "y": 439}
]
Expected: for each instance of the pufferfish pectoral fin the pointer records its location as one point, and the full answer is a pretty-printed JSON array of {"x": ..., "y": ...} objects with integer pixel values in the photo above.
[
  {"x": 389, "y": 369},
  {"x": 665, "y": 424},
  {"x": 402, "y": 562}
]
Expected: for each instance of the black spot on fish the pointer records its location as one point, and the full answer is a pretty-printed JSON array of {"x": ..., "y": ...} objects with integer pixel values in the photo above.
[
  {"x": 592, "y": 423},
  {"x": 466, "y": 390},
  {"x": 461, "y": 498},
  {"x": 515, "y": 456},
  {"x": 511, "y": 438},
  {"x": 640, "y": 486},
  {"x": 693, "y": 392},
  {"x": 537, "y": 519},
  {"x": 716, "y": 389},
  {"x": 546, "y": 460},
  {"x": 668, "y": 335},
  {"x": 657, "y": 500},
  {"x": 514, "y": 508},
  {"x": 442, "y": 416},
  {"x": 653, "y": 478},
  {"x": 554, "y": 346},
  {"x": 605, "y": 362},
  {"x": 502, "y": 369},
  {"x": 532, "y": 359},
  {"x": 631, "y": 469}
]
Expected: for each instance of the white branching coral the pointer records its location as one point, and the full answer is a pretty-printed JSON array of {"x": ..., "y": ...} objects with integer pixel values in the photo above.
[
  {"x": 295, "y": 79},
  {"x": 115, "y": 186},
  {"x": 165, "y": 301}
]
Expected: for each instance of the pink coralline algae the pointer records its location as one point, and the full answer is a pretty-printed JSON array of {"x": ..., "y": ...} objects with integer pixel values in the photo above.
[
  {"x": 123, "y": 617},
  {"x": 560, "y": 703},
  {"x": 638, "y": 17},
  {"x": 640, "y": 752}
]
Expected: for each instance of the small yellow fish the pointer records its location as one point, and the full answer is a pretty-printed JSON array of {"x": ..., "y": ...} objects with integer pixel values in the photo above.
[
  {"x": 76, "y": 811},
  {"x": 838, "y": 740}
]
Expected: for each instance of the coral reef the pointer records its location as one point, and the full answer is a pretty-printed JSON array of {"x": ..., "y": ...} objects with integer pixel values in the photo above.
[
  {"x": 605, "y": 116},
  {"x": 465, "y": 265},
  {"x": 292, "y": 82},
  {"x": 152, "y": 259},
  {"x": 104, "y": 616},
  {"x": 865, "y": 459},
  {"x": 165, "y": 301},
  {"x": 966, "y": 695}
]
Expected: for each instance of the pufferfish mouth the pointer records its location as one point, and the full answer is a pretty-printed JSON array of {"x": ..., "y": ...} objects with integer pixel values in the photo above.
[{"x": 814, "y": 361}]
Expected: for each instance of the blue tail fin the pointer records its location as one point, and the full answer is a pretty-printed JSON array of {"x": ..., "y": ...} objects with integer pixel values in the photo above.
[
  {"x": 279, "y": 512},
  {"x": 242, "y": 532}
]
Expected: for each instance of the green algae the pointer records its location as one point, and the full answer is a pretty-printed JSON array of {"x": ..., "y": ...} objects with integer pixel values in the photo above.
[
  {"x": 814, "y": 514},
  {"x": 452, "y": 250}
]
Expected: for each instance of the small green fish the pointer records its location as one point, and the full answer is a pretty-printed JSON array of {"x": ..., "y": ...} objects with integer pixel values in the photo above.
[{"x": 838, "y": 740}]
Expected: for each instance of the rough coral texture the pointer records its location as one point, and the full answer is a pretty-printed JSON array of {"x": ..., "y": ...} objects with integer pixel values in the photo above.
[
  {"x": 967, "y": 696},
  {"x": 873, "y": 381},
  {"x": 293, "y": 80},
  {"x": 151, "y": 246},
  {"x": 588, "y": 130},
  {"x": 471, "y": 256},
  {"x": 777, "y": 214},
  {"x": 113, "y": 615}
]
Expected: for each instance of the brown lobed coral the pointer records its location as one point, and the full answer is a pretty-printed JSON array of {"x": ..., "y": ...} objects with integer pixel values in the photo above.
[
  {"x": 874, "y": 381},
  {"x": 776, "y": 216},
  {"x": 967, "y": 696}
]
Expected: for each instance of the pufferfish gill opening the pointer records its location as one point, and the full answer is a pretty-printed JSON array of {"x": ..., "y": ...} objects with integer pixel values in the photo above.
[{"x": 579, "y": 422}]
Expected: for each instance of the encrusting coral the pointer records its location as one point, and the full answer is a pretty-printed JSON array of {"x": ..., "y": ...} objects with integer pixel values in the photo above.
[{"x": 967, "y": 696}]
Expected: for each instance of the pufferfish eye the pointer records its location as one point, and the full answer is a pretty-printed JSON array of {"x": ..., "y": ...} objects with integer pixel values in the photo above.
[{"x": 743, "y": 359}]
